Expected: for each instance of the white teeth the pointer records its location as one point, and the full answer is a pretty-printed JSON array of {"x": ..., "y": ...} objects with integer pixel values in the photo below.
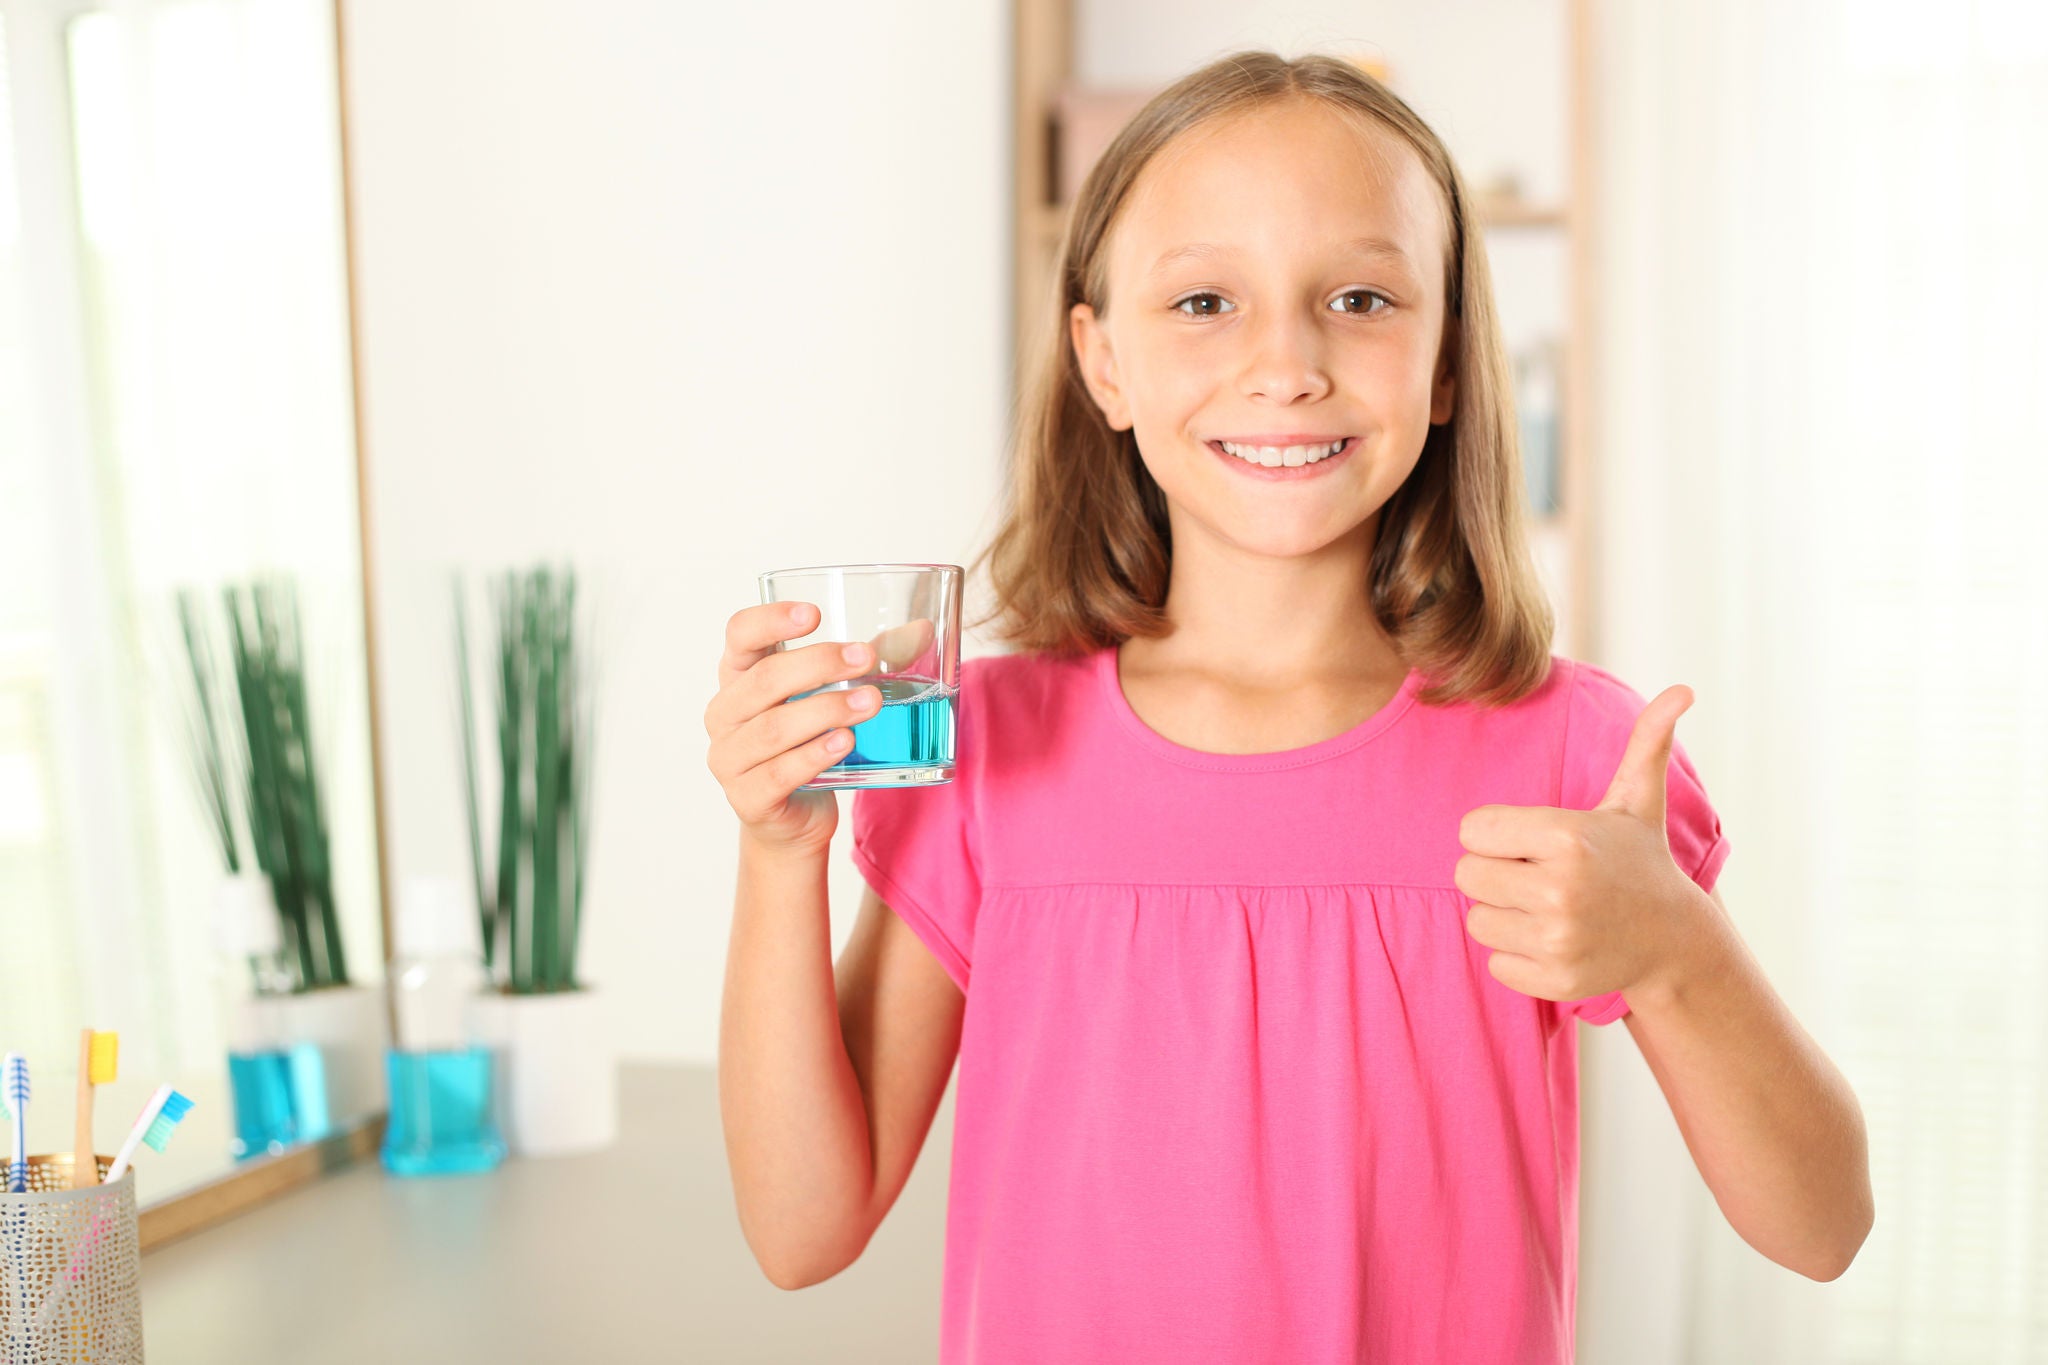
[{"x": 1274, "y": 456}]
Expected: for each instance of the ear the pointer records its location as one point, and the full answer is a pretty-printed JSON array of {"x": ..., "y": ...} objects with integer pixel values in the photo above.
[
  {"x": 1098, "y": 366},
  {"x": 1443, "y": 393}
]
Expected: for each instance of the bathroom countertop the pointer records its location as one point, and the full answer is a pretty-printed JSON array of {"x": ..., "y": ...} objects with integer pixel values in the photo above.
[{"x": 632, "y": 1254}]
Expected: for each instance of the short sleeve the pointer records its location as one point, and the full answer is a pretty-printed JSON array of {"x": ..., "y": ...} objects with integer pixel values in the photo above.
[
  {"x": 917, "y": 846},
  {"x": 1601, "y": 713}
]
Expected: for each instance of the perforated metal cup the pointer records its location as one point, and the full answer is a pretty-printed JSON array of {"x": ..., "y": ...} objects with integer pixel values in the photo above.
[{"x": 70, "y": 1268}]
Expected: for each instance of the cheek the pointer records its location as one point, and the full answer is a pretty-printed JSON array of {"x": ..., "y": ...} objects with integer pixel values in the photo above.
[
  {"x": 1167, "y": 383},
  {"x": 1393, "y": 363}
]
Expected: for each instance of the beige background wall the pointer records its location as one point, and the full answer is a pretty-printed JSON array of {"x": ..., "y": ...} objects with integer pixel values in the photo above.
[{"x": 661, "y": 288}]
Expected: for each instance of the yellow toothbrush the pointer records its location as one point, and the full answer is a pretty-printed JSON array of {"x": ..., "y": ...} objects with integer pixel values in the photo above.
[{"x": 96, "y": 1056}]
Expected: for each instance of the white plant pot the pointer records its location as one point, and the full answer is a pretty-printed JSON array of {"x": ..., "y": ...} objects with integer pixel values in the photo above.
[{"x": 555, "y": 1088}]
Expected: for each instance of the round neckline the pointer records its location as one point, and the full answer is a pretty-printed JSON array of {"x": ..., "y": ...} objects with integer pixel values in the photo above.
[{"x": 1345, "y": 741}]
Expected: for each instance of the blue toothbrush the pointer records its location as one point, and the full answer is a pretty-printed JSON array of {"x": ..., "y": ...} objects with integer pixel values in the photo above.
[
  {"x": 14, "y": 1083},
  {"x": 14, "y": 1088}
]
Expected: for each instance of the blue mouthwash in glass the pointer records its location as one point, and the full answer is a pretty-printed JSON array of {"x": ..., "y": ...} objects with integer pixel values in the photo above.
[
  {"x": 440, "y": 1120},
  {"x": 909, "y": 740},
  {"x": 262, "y": 1078}
]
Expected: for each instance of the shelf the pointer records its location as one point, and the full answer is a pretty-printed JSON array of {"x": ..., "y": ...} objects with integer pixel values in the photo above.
[
  {"x": 1048, "y": 222},
  {"x": 1503, "y": 212}
]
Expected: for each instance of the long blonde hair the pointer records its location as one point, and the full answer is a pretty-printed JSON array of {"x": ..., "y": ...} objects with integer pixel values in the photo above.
[{"x": 1081, "y": 557}]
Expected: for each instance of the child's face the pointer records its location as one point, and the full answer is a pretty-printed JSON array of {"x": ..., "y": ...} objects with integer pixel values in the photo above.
[{"x": 1281, "y": 330}]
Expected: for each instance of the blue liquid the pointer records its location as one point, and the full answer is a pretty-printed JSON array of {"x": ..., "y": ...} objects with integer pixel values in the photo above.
[
  {"x": 261, "y": 1084},
  {"x": 280, "y": 1097},
  {"x": 307, "y": 1066},
  {"x": 440, "y": 1122},
  {"x": 914, "y": 729}
]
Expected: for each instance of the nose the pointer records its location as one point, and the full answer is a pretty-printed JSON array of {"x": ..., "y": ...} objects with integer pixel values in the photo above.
[{"x": 1285, "y": 364}]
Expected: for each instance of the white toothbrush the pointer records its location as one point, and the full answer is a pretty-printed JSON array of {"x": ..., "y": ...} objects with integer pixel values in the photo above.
[{"x": 153, "y": 1128}]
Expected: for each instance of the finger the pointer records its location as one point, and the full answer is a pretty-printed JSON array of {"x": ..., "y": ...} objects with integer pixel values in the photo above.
[
  {"x": 751, "y": 634},
  {"x": 781, "y": 728},
  {"x": 776, "y": 677},
  {"x": 1518, "y": 973},
  {"x": 1504, "y": 929},
  {"x": 1514, "y": 831},
  {"x": 757, "y": 793},
  {"x": 1502, "y": 881},
  {"x": 1638, "y": 785},
  {"x": 901, "y": 648}
]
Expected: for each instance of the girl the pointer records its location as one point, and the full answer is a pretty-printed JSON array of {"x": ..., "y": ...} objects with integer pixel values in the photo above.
[{"x": 1282, "y": 854}]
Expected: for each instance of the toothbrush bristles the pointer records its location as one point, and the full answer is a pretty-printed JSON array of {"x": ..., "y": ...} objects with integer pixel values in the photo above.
[
  {"x": 105, "y": 1050},
  {"x": 175, "y": 1107}
]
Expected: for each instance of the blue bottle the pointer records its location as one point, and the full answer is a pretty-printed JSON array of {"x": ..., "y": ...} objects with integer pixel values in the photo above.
[
  {"x": 441, "y": 1083},
  {"x": 264, "y": 1080}
]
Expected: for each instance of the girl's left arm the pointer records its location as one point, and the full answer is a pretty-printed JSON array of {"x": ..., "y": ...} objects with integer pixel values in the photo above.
[
  {"x": 1771, "y": 1123},
  {"x": 1577, "y": 904}
]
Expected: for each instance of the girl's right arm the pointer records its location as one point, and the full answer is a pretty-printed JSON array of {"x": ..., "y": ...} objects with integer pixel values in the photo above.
[{"x": 804, "y": 1061}]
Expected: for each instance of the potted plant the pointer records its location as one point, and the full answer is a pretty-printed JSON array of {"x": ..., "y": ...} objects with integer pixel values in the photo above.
[
  {"x": 303, "y": 1027},
  {"x": 557, "y": 1090}
]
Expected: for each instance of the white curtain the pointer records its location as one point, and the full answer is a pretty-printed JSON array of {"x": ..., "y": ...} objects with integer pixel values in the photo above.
[
  {"x": 174, "y": 410},
  {"x": 1822, "y": 423}
]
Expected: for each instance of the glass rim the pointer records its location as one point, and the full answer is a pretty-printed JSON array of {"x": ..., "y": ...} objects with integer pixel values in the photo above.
[{"x": 859, "y": 568}]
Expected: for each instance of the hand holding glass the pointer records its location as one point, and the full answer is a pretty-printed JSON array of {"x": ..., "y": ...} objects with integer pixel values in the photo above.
[{"x": 910, "y": 615}]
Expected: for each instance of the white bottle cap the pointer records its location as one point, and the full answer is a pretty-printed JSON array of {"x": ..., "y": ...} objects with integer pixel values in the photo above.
[
  {"x": 245, "y": 917},
  {"x": 436, "y": 920}
]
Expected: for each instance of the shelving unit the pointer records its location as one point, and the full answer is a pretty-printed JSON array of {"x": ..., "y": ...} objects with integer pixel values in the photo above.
[{"x": 1562, "y": 541}]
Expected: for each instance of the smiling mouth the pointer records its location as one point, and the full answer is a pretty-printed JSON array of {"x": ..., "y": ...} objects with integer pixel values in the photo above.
[{"x": 1276, "y": 457}]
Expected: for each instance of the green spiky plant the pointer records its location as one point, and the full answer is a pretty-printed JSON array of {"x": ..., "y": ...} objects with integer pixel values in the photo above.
[
  {"x": 530, "y": 895},
  {"x": 274, "y": 770},
  {"x": 203, "y": 742}
]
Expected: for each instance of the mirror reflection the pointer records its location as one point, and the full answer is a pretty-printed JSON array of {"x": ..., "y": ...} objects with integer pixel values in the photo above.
[{"x": 188, "y": 841}]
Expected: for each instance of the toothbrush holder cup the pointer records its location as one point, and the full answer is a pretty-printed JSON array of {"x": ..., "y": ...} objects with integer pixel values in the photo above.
[{"x": 70, "y": 1268}]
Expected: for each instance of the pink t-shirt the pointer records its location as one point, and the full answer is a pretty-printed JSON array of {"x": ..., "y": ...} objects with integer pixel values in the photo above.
[{"x": 1235, "y": 1083}]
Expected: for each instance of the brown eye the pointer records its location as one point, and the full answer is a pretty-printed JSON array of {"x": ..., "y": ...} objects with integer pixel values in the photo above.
[
  {"x": 1361, "y": 294},
  {"x": 1217, "y": 299}
]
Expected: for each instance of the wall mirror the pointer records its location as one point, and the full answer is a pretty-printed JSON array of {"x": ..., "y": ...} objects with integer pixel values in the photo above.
[{"x": 178, "y": 425}]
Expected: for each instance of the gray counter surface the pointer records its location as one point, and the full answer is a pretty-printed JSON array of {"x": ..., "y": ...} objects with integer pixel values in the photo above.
[{"x": 633, "y": 1254}]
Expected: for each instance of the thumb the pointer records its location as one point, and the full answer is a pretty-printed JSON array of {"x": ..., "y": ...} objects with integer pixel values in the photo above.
[
  {"x": 1638, "y": 785},
  {"x": 902, "y": 647}
]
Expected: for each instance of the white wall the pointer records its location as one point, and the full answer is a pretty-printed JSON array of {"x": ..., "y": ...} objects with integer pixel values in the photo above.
[{"x": 665, "y": 289}]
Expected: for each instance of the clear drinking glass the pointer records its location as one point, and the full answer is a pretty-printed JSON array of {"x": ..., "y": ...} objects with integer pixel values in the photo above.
[{"x": 910, "y": 613}]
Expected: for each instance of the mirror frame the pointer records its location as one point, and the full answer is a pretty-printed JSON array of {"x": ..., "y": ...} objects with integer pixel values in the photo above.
[{"x": 202, "y": 1206}]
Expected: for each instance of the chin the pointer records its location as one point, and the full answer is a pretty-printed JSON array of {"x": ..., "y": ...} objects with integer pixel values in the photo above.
[{"x": 1289, "y": 542}]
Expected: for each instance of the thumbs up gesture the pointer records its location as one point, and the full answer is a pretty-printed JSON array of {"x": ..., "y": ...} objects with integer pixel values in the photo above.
[{"x": 1579, "y": 903}]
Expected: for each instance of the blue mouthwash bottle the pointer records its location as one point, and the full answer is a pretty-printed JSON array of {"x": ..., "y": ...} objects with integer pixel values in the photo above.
[
  {"x": 440, "y": 1081},
  {"x": 260, "y": 1068}
]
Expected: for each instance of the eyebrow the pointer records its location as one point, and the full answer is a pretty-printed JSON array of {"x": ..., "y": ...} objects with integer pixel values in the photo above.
[{"x": 1203, "y": 251}]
